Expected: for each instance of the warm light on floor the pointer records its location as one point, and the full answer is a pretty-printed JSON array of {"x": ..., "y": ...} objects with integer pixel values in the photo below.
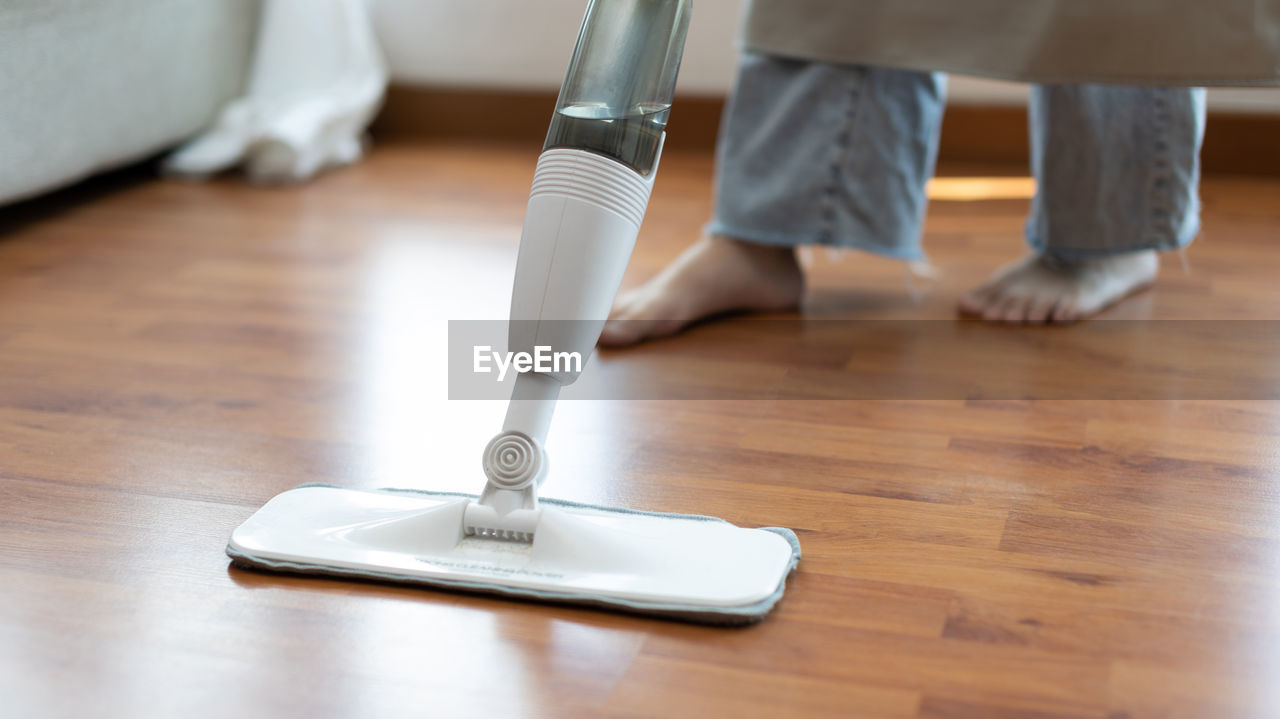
[{"x": 967, "y": 189}]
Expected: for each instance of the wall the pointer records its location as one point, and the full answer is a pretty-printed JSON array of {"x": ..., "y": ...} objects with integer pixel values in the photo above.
[
  {"x": 519, "y": 44},
  {"x": 525, "y": 44}
]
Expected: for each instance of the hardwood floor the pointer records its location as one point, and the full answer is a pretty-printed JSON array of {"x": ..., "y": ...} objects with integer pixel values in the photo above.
[{"x": 172, "y": 355}]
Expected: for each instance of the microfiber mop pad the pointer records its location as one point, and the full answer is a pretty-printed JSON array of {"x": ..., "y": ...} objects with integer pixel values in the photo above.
[{"x": 412, "y": 537}]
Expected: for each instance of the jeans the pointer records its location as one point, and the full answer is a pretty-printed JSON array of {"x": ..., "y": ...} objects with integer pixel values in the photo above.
[{"x": 838, "y": 155}]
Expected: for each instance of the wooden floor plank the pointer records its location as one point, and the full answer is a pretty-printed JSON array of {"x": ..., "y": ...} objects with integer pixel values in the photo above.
[{"x": 173, "y": 354}]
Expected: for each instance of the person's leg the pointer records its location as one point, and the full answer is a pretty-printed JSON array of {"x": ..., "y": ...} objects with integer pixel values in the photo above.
[
  {"x": 809, "y": 153},
  {"x": 1117, "y": 170}
]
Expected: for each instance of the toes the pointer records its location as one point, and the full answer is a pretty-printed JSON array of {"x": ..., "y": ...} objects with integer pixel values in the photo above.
[
  {"x": 664, "y": 328},
  {"x": 1041, "y": 310},
  {"x": 999, "y": 307},
  {"x": 619, "y": 330},
  {"x": 1066, "y": 311},
  {"x": 976, "y": 301},
  {"x": 993, "y": 310},
  {"x": 1016, "y": 311},
  {"x": 973, "y": 303},
  {"x": 1035, "y": 290},
  {"x": 617, "y": 333},
  {"x": 621, "y": 307},
  {"x": 629, "y": 329}
]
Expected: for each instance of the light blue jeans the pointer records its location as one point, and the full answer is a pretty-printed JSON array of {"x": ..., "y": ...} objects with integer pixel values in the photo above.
[{"x": 838, "y": 155}]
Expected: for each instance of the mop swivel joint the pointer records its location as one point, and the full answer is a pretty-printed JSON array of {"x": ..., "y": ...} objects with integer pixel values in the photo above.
[
  {"x": 507, "y": 509},
  {"x": 514, "y": 460}
]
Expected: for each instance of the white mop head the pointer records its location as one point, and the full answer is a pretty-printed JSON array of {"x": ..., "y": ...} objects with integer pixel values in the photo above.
[{"x": 680, "y": 566}]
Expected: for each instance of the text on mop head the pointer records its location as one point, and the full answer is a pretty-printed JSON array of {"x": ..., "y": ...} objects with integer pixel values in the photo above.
[{"x": 542, "y": 360}]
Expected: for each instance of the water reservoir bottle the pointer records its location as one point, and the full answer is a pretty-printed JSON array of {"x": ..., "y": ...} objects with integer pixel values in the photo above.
[{"x": 617, "y": 93}]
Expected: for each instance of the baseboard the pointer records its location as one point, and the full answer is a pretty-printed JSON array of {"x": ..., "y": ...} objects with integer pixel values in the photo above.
[
  {"x": 1234, "y": 143},
  {"x": 516, "y": 116}
]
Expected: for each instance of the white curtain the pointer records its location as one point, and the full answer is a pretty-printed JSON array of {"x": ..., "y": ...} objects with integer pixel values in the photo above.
[{"x": 317, "y": 80}]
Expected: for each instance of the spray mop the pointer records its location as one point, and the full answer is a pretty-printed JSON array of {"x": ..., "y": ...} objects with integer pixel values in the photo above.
[{"x": 589, "y": 196}]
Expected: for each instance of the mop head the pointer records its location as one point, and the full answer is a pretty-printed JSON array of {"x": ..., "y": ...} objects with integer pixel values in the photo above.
[{"x": 677, "y": 566}]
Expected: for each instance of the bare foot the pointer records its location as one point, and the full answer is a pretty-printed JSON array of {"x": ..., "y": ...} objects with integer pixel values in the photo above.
[
  {"x": 713, "y": 276},
  {"x": 1035, "y": 290}
]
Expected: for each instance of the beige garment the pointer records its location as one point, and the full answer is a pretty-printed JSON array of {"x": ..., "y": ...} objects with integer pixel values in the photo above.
[{"x": 1130, "y": 42}]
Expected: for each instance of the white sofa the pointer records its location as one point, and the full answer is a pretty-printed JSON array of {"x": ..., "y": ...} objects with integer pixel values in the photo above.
[{"x": 87, "y": 85}]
